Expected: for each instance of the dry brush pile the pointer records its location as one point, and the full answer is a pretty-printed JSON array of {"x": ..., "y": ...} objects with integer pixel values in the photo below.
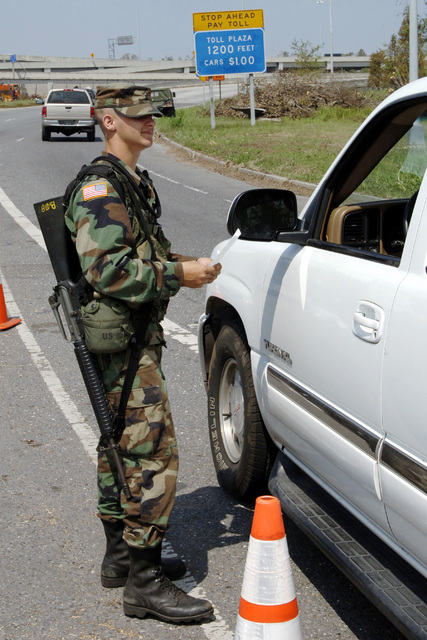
[{"x": 294, "y": 96}]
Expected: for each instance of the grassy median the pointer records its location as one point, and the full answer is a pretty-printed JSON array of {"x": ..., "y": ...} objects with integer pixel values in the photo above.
[
  {"x": 12, "y": 104},
  {"x": 299, "y": 149}
]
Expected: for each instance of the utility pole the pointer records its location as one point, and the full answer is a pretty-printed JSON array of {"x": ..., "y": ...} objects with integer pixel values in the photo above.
[
  {"x": 319, "y": 2},
  {"x": 138, "y": 29},
  {"x": 331, "y": 40},
  {"x": 111, "y": 49},
  {"x": 413, "y": 40}
]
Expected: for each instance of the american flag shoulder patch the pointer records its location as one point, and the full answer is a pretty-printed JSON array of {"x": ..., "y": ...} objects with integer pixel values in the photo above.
[{"x": 94, "y": 191}]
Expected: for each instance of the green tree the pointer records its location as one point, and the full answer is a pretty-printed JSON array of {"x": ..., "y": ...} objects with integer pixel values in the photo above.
[
  {"x": 389, "y": 67},
  {"x": 306, "y": 56}
]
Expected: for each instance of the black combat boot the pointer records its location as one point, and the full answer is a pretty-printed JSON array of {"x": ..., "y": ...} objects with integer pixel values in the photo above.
[
  {"x": 149, "y": 592},
  {"x": 115, "y": 565}
]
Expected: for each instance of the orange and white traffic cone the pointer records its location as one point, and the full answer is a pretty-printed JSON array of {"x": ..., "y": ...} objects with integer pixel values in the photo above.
[
  {"x": 5, "y": 321},
  {"x": 268, "y": 606}
]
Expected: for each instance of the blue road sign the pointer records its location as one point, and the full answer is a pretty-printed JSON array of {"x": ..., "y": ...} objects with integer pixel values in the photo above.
[
  {"x": 229, "y": 51},
  {"x": 13, "y": 57}
]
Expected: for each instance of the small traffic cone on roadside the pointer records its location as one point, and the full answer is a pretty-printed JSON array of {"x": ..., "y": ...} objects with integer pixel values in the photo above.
[
  {"x": 5, "y": 321},
  {"x": 268, "y": 607}
]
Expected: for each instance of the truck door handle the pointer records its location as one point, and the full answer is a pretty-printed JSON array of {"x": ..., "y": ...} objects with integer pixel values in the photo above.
[{"x": 368, "y": 321}]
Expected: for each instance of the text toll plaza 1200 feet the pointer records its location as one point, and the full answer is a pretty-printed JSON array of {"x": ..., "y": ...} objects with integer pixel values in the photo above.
[{"x": 229, "y": 42}]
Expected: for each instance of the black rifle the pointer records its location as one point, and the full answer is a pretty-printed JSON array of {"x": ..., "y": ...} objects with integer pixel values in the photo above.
[{"x": 69, "y": 294}]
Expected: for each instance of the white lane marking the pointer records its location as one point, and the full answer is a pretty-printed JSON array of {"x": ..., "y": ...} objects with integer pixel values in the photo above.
[
  {"x": 78, "y": 423},
  {"x": 218, "y": 628},
  {"x": 180, "y": 334},
  {"x": 159, "y": 175},
  {"x": 22, "y": 220},
  {"x": 186, "y": 186},
  {"x": 20, "y": 139}
]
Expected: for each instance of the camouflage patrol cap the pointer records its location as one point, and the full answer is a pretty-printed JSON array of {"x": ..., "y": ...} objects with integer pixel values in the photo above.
[{"x": 128, "y": 99}]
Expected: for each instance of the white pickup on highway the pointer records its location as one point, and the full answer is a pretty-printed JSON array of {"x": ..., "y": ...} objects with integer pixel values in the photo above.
[{"x": 68, "y": 111}]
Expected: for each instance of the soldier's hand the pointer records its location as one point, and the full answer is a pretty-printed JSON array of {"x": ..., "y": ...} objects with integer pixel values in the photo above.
[{"x": 197, "y": 273}]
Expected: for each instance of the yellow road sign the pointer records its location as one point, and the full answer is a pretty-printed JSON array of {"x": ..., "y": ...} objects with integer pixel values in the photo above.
[{"x": 228, "y": 20}]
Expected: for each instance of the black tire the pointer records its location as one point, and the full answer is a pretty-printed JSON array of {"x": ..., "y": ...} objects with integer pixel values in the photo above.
[
  {"x": 45, "y": 135},
  {"x": 91, "y": 135},
  {"x": 242, "y": 451}
]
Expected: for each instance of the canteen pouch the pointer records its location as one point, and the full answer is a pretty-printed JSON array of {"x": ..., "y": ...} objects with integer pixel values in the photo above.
[{"x": 107, "y": 325}]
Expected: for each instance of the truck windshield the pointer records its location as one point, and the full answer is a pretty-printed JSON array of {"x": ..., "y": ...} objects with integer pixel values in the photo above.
[{"x": 68, "y": 97}]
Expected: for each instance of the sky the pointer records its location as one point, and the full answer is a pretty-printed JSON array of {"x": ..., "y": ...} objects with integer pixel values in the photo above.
[{"x": 79, "y": 28}]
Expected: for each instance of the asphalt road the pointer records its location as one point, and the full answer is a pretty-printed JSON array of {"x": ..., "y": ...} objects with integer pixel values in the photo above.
[{"x": 51, "y": 541}]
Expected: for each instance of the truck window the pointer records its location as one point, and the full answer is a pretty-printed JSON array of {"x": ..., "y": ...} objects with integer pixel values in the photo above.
[
  {"x": 68, "y": 97},
  {"x": 399, "y": 173},
  {"x": 370, "y": 209}
]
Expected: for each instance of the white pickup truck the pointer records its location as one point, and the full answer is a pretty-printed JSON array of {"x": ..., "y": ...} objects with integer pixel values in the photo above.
[
  {"x": 313, "y": 349},
  {"x": 68, "y": 111}
]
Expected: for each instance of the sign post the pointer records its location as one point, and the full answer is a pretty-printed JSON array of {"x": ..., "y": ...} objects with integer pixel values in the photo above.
[
  {"x": 211, "y": 101},
  {"x": 252, "y": 98},
  {"x": 121, "y": 40},
  {"x": 230, "y": 42},
  {"x": 13, "y": 60}
]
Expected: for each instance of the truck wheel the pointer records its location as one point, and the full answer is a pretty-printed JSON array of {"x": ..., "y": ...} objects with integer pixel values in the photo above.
[
  {"x": 45, "y": 135},
  {"x": 91, "y": 135},
  {"x": 241, "y": 448}
]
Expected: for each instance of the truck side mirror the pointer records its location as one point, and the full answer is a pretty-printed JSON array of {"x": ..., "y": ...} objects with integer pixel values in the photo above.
[{"x": 261, "y": 214}]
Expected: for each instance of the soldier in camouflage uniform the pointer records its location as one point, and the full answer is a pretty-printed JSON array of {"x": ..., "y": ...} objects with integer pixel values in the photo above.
[{"x": 116, "y": 249}]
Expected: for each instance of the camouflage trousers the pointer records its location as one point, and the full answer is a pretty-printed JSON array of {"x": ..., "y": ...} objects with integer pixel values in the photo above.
[{"x": 149, "y": 451}]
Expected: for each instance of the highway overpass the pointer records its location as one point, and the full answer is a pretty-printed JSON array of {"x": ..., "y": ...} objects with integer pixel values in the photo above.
[{"x": 37, "y": 74}]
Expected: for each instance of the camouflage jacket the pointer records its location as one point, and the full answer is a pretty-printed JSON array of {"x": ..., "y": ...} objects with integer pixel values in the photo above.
[{"x": 113, "y": 247}]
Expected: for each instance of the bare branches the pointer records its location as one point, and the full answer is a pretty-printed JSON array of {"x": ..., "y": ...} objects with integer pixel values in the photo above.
[{"x": 294, "y": 96}]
